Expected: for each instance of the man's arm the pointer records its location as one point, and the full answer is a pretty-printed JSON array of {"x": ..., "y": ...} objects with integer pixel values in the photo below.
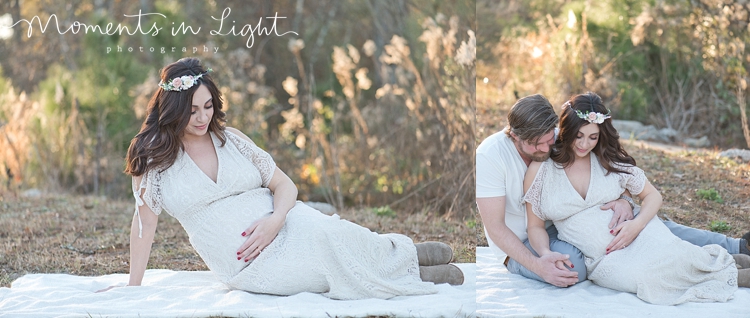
[
  {"x": 491, "y": 183},
  {"x": 622, "y": 208},
  {"x": 492, "y": 211}
]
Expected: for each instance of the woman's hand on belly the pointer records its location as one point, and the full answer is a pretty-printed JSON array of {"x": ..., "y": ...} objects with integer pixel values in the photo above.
[
  {"x": 259, "y": 235},
  {"x": 588, "y": 231},
  {"x": 625, "y": 233}
]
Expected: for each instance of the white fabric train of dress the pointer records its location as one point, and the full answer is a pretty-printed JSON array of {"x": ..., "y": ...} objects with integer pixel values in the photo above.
[
  {"x": 313, "y": 252},
  {"x": 657, "y": 266}
]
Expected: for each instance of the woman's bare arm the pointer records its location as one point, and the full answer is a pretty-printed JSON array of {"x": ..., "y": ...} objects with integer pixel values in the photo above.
[
  {"x": 262, "y": 232},
  {"x": 140, "y": 247},
  {"x": 538, "y": 237},
  {"x": 627, "y": 231},
  {"x": 551, "y": 265}
]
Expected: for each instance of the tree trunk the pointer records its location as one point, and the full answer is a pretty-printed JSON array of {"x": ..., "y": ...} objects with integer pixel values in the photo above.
[
  {"x": 742, "y": 101},
  {"x": 15, "y": 13},
  {"x": 388, "y": 19},
  {"x": 146, "y": 7}
]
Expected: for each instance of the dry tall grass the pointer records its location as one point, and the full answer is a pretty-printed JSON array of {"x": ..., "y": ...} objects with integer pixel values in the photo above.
[{"x": 391, "y": 126}]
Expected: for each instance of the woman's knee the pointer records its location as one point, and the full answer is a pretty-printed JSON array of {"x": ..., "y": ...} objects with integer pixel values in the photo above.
[{"x": 579, "y": 265}]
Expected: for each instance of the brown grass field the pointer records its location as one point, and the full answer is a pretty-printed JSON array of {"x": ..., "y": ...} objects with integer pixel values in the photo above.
[
  {"x": 678, "y": 174},
  {"x": 90, "y": 236}
]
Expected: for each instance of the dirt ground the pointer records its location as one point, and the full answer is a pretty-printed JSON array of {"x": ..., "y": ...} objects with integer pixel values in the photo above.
[{"x": 90, "y": 236}]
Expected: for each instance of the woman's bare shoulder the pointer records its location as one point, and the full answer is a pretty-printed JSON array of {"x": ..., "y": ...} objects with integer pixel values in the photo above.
[
  {"x": 237, "y": 132},
  {"x": 531, "y": 174},
  {"x": 534, "y": 167}
]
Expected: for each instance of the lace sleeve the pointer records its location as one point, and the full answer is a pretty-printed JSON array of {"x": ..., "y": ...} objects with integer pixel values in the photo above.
[
  {"x": 634, "y": 181},
  {"x": 150, "y": 182},
  {"x": 259, "y": 157},
  {"x": 534, "y": 195}
]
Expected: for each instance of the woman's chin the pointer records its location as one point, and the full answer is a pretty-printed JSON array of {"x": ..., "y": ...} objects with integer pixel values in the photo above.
[
  {"x": 195, "y": 133},
  {"x": 582, "y": 155}
]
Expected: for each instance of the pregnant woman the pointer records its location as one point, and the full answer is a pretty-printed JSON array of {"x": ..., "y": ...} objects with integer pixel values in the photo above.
[
  {"x": 588, "y": 168},
  {"x": 241, "y": 214}
]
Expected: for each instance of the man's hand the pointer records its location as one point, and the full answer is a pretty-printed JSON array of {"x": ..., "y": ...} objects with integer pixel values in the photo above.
[
  {"x": 622, "y": 209},
  {"x": 550, "y": 269}
]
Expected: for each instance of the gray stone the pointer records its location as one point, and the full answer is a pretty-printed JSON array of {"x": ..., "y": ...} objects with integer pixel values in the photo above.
[
  {"x": 668, "y": 134},
  {"x": 632, "y": 129},
  {"x": 743, "y": 154},
  {"x": 628, "y": 128},
  {"x": 649, "y": 133},
  {"x": 323, "y": 207},
  {"x": 31, "y": 193},
  {"x": 701, "y": 142}
]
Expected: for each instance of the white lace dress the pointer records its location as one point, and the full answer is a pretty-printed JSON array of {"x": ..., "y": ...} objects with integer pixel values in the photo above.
[
  {"x": 657, "y": 266},
  {"x": 313, "y": 252}
]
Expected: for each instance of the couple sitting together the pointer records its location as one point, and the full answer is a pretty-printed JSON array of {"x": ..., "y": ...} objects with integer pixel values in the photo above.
[{"x": 557, "y": 207}]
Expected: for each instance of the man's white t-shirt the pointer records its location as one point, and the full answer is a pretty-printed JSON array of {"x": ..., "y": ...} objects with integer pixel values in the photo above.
[{"x": 500, "y": 172}]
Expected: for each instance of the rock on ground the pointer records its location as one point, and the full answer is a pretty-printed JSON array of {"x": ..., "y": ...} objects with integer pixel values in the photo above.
[
  {"x": 323, "y": 207},
  {"x": 630, "y": 129},
  {"x": 743, "y": 154}
]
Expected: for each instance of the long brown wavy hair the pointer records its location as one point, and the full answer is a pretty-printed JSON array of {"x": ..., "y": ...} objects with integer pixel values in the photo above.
[
  {"x": 159, "y": 141},
  {"x": 608, "y": 149}
]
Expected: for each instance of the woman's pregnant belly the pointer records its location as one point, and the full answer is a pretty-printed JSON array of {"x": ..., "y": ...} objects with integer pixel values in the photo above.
[
  {"x": 215, "y": 230},
  {"x": 587, "y": 230}
]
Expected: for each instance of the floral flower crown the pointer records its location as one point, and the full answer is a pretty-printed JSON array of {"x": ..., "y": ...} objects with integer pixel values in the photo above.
[
  {"x": 592, "y": 117},
  {"x": 182, "y": 83}
]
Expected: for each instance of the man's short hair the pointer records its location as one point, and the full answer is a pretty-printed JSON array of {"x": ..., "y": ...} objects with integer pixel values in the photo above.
[{"x": 531, "y": 117}]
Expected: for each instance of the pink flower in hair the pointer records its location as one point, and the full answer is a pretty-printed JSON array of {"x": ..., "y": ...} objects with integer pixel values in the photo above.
[
  {"x": 182, "y": 83},
  {"x": 177, "y": 82}
]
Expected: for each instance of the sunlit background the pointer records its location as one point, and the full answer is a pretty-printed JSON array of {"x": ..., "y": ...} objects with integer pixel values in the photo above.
[
  {"x": 371, "y": 105},
  {"x": 674, "y": 64}
]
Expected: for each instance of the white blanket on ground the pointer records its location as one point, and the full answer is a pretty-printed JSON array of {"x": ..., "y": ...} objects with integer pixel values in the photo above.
[
  {"x": 167, "y": 293},
  {"x": 502, "y": 294}
]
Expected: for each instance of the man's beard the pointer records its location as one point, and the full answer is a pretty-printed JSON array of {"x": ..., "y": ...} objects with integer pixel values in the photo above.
[{"x": 537, "y": 156}]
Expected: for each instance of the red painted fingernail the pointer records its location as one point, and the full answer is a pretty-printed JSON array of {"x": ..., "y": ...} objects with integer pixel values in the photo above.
[
  {"x": 572, "y": 266},
  {"x": 243, "y": 233},
  {"x": 238, "y": 253},
  {"x": 238, "y": 258},
  {"x": 246, "y": 260},
  {"x": 611, "y": 231}
]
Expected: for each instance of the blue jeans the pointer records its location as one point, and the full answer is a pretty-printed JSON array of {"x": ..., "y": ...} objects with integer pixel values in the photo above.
[
  {"x": 556, "y": 245},
  {"x": 703, "y": 237},
  {"x": 689, "y": 234}
]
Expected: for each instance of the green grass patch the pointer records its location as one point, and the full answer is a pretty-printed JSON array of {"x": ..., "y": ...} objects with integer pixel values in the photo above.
[
  {"x": 709, "y": 194},
  {"x": 720, "y": 226},
  {"x": 384, "y": 211},
  {"x": 471, "y": 223}
]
